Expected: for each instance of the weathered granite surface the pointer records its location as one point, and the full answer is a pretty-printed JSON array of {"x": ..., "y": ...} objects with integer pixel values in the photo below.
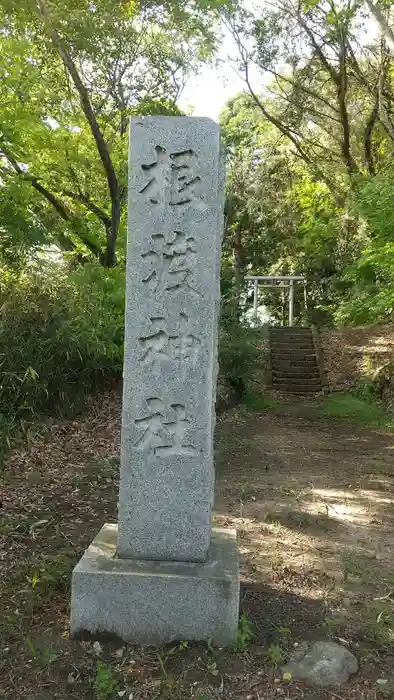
[
  {"x": 162, "y": 574},
  {"x": 321, "y": 663},
  {"x": 150, "y": 602},
  {"x": 170, "y": 364}
]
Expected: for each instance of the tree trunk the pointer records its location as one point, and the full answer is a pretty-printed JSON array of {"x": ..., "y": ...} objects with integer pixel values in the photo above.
[
  {"x": 383, "y": 24},
  {"x": 239, "y": 263},
  {"x": 109, "y": 258}
]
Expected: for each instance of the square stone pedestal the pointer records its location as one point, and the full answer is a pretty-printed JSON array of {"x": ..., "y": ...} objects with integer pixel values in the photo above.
[{"x": 152, "y": 602}]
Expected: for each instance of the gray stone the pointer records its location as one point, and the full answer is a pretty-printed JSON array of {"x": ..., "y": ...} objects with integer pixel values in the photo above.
[
  {"x": 162, "y": 574},
  {"x": 152, "y": 602},
  {"x": 170, "y": 364},
  {"x": 321, "y": 663}
]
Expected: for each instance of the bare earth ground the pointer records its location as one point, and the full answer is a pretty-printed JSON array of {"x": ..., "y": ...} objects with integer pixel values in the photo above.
[
  {"x": 313, "y": 502},
  {"x": 354, "y": 354}
]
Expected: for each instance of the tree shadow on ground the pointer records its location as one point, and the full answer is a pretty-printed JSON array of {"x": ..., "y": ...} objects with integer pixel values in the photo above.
[
  {"x": 313, "y": 505},
  {"x": 276, "y": 613}
]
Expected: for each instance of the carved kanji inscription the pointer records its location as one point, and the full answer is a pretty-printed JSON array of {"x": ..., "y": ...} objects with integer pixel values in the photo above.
[
  {"x": 164, "y": 429},
  {"x": 171, "y": 263},
  {"x": 159, "y": 344},
  {"x": 172, "y": 178}
]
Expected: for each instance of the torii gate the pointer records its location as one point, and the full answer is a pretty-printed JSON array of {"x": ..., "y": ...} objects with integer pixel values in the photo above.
[{"x": 284, "y": 281}]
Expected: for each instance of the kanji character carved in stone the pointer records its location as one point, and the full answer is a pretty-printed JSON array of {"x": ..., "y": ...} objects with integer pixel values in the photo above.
[
  {"x": 172, "y": 178},
  {"x": 160, "y": 344},
  {"x": 164, "y": 429},
  {"x": 172, "y": 263}
]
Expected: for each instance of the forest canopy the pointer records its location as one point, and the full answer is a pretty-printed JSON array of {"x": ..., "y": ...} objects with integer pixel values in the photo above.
[
  {"x": 71, "y": 74},
  {"x": 309, "y": 141},
  {"x": 310, "y": 144}
]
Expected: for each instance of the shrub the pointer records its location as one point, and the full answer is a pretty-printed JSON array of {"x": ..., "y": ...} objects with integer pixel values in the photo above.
[
  {"x": 241, "y": 354},
  {"x": 371, "y": 297},
  {"x": 59, "y": 331}
]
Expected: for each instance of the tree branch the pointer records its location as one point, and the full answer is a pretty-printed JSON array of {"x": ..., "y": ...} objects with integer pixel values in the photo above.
[
  {"x": 383, "y": 24},
  {"x": 368, "y": 137},
  {"x": 64, "y": 242},
  {"x": 342, "y": 87},
  {"x": 87, "y": 202},
  {"x": 101, "y": 144},
  {"x": 294, "y": 83},
  {"x": 323, "y": 58}
]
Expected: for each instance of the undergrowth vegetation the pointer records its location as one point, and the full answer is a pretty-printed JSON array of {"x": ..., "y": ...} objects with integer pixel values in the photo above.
[
  {"x": 241, "y": 354},
  {"x": 60, "y": 332},
  {"x": 363, "y": 410}
]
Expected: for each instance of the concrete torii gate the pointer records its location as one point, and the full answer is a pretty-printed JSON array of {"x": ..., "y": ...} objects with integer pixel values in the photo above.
[{"x": 273, "y": 281}]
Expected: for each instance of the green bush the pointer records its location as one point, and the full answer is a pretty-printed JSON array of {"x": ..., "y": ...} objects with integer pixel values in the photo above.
[
  {"x": 371, "y": 298},
  {"x": 355, "y": 409},
  {"x": 60, "y": 330},
  {"x": 241, "y": 355}
]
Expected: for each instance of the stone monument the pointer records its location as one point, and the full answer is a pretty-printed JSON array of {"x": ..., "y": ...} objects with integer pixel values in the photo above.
[{"x": 163, "y": 573}]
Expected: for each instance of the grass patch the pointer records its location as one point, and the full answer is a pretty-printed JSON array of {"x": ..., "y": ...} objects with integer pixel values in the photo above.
[
  {"x": 105, "y": 684},
  {"x": 352, "y": 408},
  {"x": 255, "y": 401}
]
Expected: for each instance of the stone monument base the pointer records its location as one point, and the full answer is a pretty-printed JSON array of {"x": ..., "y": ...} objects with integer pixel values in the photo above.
[{"x": 155, "y": 602}]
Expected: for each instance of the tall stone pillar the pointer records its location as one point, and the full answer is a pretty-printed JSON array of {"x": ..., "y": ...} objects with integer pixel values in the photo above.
[{"x": 163, "y": 573}]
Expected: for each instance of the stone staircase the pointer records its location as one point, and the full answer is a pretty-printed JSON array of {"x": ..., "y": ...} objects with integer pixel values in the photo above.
[{"x": 294, "y": 364}]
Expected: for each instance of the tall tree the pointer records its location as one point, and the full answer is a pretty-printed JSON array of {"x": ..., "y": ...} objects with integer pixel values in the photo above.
[
  {"x": 325, "y": 80},
  {"x": 287, "y": 221},
  {"x": 383, "y": 23},
  {"x": 71, "y": 74}
]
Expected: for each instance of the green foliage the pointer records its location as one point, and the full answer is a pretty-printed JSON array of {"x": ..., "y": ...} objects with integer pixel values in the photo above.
[
  {"x": 212, "y": 668},
  {"x": 371, "y": 295},
  {"x": 353, "y": 408},
  {"x": 245, "y": 634},
  {"x": 105, "y": 684},
  {"x": 310, "y": 159},
  {"x": 374, "y": 202},
  {"x": 256, "y": 401},
  {"x": 330, "y": 625},
  {"x": 240, "y": 354},
  {"x": 41, "y": 656},
  {"x": 56, "y": 184},
  {"x": 162, "y": 663},
  {"x": 60, "y": 331},
  {"x": 281, "y": 219},
  {"x": 287, "y": 221},
  {"x": 275, "y": 655}
]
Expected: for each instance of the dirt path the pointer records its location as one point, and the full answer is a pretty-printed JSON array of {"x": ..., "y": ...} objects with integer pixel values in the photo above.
[
  {"x": 313, "y": 505},
  {"x": 313, "y": 502}
]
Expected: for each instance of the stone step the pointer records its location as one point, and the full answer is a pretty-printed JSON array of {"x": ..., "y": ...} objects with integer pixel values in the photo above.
[
  {"x": 294, "y": 365},
  {"x": 294, "y": 356},
  {"x": 290, "y": 340},
  {"x": 307, "y": 372},
  {"x": 286, "y": 332},
  {"x": 297, "y": 383},
  {"x": 287, "y": 349},
  {"x": 296, "y": 374},
  {"x": 301, "y": 380},
  {"x": 290, "y": 328},
  {"x": 293, "y": 344},
  {"x": 289, "y": 389},
  {"x": 279, "y": 361},
  {"x": 291, "y": 332}
]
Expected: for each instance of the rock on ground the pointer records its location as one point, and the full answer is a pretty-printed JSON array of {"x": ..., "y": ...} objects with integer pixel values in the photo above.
[{"x": 321, "y": 663}]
